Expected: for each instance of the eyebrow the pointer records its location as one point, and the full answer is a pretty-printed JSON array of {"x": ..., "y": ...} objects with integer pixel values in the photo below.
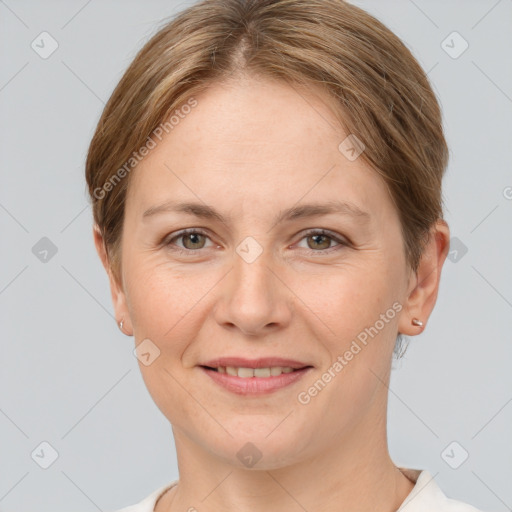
[{"x": 204, "y": 211}]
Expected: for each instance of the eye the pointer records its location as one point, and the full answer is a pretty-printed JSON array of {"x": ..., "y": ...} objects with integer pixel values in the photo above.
[
  {"x": 319, "y": 240},
  {"x": 193, "y": 239}
]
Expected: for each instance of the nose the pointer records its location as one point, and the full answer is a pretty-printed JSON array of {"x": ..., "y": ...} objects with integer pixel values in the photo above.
[{"x": 254, "y": 298}]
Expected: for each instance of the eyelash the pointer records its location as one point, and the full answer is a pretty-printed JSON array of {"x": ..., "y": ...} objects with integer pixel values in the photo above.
[{"x": 324, "y": 232}]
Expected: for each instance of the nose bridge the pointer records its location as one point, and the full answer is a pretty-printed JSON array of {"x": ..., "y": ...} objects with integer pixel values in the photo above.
[
  {"x": 251, "y": 275},
  {"x": 254, "y": 298}
]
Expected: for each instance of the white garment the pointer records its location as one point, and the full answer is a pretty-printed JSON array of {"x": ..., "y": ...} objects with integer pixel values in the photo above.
[{"x": 426, "y": 496}]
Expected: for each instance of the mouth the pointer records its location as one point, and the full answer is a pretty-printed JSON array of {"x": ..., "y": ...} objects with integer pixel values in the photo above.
[
  {"x": 246, "y": 372},
  {"x": 256, "y": 379}
]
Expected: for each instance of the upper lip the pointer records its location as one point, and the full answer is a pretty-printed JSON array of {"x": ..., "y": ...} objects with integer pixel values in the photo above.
[{"x": 262, "y": 362}]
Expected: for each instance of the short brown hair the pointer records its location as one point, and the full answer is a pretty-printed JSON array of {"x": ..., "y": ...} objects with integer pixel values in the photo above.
[{"x": 383, "y": 94}]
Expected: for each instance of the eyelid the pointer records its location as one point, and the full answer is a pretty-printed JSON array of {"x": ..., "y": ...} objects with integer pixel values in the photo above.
[
  {"x": 167, "y": 241},
  {"x": 327, "y": 232},
  {"x": 341, "y": 240}
]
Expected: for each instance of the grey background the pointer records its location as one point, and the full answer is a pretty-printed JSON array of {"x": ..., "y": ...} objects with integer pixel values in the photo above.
[{"x": 69, "y": 377}]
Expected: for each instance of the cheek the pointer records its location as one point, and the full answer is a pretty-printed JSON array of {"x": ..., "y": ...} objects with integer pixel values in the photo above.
[
  {"x": 358, "y": 311},
  {"x": 357, "y": 314},
  {"x": 165, "y": 308},
  {"x": 345, "y": 299},
  {"x": 161, "y": 296}
]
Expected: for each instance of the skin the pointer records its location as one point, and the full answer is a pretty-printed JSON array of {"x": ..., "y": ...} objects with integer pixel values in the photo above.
[{"x": 251, "y": 148}]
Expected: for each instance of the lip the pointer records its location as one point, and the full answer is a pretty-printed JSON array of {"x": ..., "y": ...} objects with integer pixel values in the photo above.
[
  {"x": 262, "y": 362},
  {"x": 255, "y": 385}
]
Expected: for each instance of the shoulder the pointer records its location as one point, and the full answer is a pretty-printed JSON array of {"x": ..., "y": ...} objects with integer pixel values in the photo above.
[
  {"x": 427, "y": 496},
  {"x": 148, "y": 503}
]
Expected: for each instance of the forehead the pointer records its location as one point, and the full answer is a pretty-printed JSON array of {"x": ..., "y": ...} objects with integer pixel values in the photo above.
[{"x": 253, "y": 144}]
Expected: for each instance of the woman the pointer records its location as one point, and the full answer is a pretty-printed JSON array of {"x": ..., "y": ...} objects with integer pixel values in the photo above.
[{"x": 266, "y": 188}]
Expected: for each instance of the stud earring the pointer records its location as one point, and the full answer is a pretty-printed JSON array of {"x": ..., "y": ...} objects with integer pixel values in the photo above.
[
  {"x": 417, "y": 322},
  {"x": 121, "y": 325}
]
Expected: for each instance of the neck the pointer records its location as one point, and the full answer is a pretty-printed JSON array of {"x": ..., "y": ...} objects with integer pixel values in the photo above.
[{"x": 354, "y": 473}]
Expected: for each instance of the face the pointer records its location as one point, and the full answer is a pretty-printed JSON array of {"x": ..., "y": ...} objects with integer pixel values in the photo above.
[{"x": 265, "y": 270}]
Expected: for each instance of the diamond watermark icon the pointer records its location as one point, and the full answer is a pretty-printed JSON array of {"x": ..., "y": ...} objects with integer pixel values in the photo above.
[
  {"x": 457, "y": 249},
  {"x": 249, "y": 455},
  {"x": 146, "y": 352},
  {"x": 44, "y": 455},
  {"x": 249, "y": 249},
  {"x": 454, "y": 45},
  {"x": 351, "y": 147},
  {"x": 44, "y": 45},
  {"x": 454, "y": 455},
  {"x": 44, "y": 250}
]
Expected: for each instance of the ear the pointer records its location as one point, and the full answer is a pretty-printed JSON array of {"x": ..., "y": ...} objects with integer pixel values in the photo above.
[
  {"x": 116, "y": 289},
  {"x": 424, "y": 284}
]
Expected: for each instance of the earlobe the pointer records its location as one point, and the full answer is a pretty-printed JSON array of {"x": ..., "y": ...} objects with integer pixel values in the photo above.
[
  {"x": 116, "y": 291},
  {"x": 422, "y": 294}
]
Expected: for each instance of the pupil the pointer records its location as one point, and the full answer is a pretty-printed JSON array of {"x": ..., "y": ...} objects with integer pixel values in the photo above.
[
  {"x": 192, "y": 238},
  {"x": 317, "y": 237}
]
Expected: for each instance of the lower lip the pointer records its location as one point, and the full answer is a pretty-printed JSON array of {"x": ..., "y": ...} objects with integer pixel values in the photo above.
[{"x": 255, "y": 385}]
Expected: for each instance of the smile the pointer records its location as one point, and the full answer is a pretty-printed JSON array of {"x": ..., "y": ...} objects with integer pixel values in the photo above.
[{"x": 254, "y": 381}]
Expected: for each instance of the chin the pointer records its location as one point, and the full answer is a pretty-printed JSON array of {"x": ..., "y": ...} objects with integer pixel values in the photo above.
[{"x": 261, "y": 448}]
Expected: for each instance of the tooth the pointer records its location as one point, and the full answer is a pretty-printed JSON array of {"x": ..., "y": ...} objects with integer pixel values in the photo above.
[
  {"x": 262, "y": 372},
  {"x": 245, "y": 372}
]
